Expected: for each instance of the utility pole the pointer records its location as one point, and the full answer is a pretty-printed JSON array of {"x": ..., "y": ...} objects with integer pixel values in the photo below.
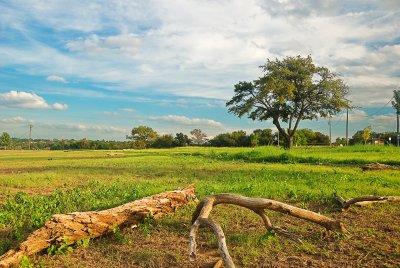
[
  {"x": 330, "y": 131},
  {"x": 347, "y": 124},
  {"x": 30, "y": 136},
  {"x": 398, "y": 135},
  {"x": 396, "y": 106}
]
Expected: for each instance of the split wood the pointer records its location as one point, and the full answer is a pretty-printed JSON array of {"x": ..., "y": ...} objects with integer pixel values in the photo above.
[
  {"x": 72, "y": 227},
  {"x": 365, "y": 200},
  {"x": 258, "y": 205}
]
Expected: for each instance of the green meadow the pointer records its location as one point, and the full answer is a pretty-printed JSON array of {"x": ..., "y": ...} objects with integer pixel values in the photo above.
[{"x": 36, "y": 184}]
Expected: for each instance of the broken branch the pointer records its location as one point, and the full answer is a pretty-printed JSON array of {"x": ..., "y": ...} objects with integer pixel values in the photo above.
[
  {"x": 365, "y": 200},
  {"x": 258, "y": 205}
]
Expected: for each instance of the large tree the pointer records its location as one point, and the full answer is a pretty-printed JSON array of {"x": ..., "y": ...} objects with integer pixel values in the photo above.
[
  {"x": 198, "y": 136},
  {"x": 5, "y": 140},
  {"x": 143, "y": 137},
  {"x": 290, "y": 90}
]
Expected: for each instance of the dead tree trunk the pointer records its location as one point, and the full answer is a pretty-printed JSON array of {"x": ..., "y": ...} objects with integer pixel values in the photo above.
[
  {"x": 258, "y": 205},
  {"x": 365, "y": 200},
  {"x": 377, "y": 166},
  {"x": 75, "y": 226}
]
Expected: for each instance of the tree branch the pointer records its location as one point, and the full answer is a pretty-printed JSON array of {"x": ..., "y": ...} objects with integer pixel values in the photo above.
[{"x": 258, "y": 205}]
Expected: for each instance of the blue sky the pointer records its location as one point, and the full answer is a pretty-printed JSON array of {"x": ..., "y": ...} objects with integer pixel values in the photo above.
[{"x": 96, "y": 69}]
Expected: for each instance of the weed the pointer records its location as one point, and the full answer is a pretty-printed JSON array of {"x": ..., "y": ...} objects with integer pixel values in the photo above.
[
  {"x": 119, "y": 237},
  {"x": 147, "y": 225},
  {"x": 26, "y": 263},
  {"x": 61, "y": 248},
  {"x": 83, "y": 243}
]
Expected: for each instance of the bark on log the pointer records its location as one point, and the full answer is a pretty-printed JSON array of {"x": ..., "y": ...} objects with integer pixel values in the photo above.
[
  {"x": 258, "y": 205},
  {"x": 75, "y": 226},
  {"x": 377, "y": 166},
  {"x": 365, "y": 200}
]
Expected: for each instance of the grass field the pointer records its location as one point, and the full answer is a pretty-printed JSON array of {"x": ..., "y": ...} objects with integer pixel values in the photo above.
[{"x": 36, "y": 184}]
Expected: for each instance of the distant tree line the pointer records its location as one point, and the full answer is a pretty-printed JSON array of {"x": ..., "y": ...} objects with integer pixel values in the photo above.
[
  {"x": 143, "y": 137},
  {"x": 367, "y": 136},
  {"x": 64, "y": 144}
]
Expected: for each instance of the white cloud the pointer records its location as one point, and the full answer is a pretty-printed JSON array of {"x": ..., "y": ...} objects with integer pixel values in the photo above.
[
  {"x": 26, "y": 100},
  {"x": 183, "y": 120},
  {"x": 86, "y": 127},
  {"x": 59, "y": 106},
  {"x": 108, "y": 113},
  {"x": 15, "y": 120},
  {"x": 106, "y": 46},
  {"x": 128, "y": 110},
  {"x": 56, "y": 78},
  {"x": 357, "y": 116}
]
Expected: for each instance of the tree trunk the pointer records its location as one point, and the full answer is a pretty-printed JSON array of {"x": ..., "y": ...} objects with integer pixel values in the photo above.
[
  {"x": 72, "y": 227},
  {"x": 289, "y": 142}
]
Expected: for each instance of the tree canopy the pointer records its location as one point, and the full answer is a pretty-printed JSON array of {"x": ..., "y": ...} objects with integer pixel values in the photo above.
[
  {"x": 143, "y": 137},
  {"x": 5, "y": 140},
  {"x": 290, "y": 90},
  {"x": 198, "y": 136}
]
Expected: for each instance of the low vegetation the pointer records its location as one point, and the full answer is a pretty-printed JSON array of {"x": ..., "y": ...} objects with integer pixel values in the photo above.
[{"x": 36, "y": 184}]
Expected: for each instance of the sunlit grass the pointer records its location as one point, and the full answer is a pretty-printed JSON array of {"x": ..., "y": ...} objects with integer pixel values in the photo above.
[{"x": 36, "y": 184}]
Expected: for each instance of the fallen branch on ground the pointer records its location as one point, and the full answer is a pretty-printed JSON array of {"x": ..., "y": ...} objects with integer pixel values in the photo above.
[
  {"x": 365, "y": 200},
  {"x": 72, "y": 227},
  {"x": 377, "y": 166},
  {"x": 258, "y": 205}
]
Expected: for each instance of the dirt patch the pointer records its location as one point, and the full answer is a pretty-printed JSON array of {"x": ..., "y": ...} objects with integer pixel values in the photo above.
[
  {"x": 22, "y": 170},
  {"x": 374, "y": 241}
]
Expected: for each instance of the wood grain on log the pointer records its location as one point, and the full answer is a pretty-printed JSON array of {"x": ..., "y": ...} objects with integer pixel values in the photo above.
[{"x": 75, "y": 226}]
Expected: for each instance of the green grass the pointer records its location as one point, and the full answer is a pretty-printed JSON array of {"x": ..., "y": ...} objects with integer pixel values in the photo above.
[{"x": 37, "y": 184}]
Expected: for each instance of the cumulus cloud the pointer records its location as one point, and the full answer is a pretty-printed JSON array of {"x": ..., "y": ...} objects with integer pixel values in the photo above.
[
  {"x": 183, "y": 120},
  {"x": 26, "y": 100},
  {"x": 56, "y": 78}
]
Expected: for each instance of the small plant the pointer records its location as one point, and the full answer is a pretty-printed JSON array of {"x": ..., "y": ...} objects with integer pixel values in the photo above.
[
  {"x": 62, "y": 248},
  {"x": 26, "y": 263},
  {"x": 84, "y": 243},
  {"x": 147, "y": 225},
  {"x": 268, "y": 237},
  {"x": 118, "y": 236}
]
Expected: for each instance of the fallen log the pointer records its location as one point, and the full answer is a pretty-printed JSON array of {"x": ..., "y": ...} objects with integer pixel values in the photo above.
[
  {"x": 377, "y": 166},
  {"x": 72, "y": 227},
  {"x": 258, "y": 205},
  {"x": 365, "y": 201}
]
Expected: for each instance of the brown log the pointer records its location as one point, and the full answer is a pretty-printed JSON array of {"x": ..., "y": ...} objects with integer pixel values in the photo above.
[
  {"x": 365, "y": 200},
  {"x": 72, "y": 227},
  {"x": 377, "y": 166},
  {"x": 258, "y": 205}
]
